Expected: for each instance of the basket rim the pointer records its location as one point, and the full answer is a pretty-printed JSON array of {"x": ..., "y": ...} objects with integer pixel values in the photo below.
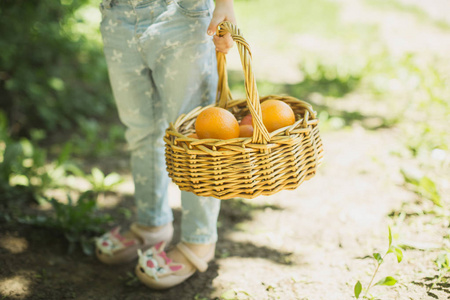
[{"x": 300, "y": 125}]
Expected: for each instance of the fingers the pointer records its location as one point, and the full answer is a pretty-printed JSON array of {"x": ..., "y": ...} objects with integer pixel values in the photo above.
[
  {"x": 215, "y": 21},
  {"x": 223, "y": 43},
  {"x": 223, "y": 11}
]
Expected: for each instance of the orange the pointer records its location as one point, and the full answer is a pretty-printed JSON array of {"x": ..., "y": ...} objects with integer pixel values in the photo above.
[
  {"x": 247, "y": 120},
  {"x": 245, "y": 131},
  {"x": 276, "y": 114},
  {"x": 216, "y": 123}
]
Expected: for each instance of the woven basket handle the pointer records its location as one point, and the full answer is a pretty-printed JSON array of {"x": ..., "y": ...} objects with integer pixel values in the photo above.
[{"x": 260, "y": 133}]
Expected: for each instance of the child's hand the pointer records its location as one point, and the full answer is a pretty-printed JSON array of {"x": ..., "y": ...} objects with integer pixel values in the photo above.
[{"x": 224, "y": 11}]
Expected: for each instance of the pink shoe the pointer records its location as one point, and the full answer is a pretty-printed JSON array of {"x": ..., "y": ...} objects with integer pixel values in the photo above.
[
  {"x": 157, "y": 271},
  {"x": 113, "y": 248}
]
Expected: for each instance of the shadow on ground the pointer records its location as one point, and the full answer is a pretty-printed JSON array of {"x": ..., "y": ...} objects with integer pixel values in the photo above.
[
  {"x": 433, "y": 286},
  {"x": 47, "y": 271}
]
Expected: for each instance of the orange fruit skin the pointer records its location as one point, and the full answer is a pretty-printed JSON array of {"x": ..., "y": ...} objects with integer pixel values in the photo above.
[
  {"x": 247, "y": 120},
  {"x": 216, "y": 123},
  {"x": 276, "y": 114},
  {"x": 245, "y": 131},
  {"x": 193, "y": 135}
]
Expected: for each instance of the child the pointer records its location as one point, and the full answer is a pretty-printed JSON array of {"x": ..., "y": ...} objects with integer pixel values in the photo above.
[{"x": 161, "y": 63}]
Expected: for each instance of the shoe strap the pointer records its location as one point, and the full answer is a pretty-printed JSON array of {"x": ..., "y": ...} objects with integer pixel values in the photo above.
[
  {"x": 198, "y": 262},
  {"x": 152, "y": 236}
]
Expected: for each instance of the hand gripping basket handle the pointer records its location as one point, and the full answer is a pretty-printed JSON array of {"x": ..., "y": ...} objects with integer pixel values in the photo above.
[{"x": 260, "y": 133}]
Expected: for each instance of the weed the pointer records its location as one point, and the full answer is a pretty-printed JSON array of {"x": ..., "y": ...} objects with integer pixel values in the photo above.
[
  {"x": 101, "y": 183},
  {"x": 42, "y": 275},
  {"x": 126, "y": 212},
  {"x": 389, "y": 280},
  {"x": 130, "y": 279},
  {"x": 76, "y": 220},
  {"x": 235, "y": 295},
  {"x": 443, "y": 264},
  {"x": 423, "y": 186},
  {"x": 25, "y": 173},
  {"x": 22, "y": 168}
]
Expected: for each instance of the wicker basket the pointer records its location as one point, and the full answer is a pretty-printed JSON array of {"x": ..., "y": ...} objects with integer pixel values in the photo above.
[{"x": 263, "y": 164}]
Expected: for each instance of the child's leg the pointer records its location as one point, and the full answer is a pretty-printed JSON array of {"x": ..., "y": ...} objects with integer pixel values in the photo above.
[
  {"x": 199, "y": 219},
  {"x": 134, "y": 93},
  {"x": 183, "y": 62},
  {"x": 187, "y": 78}
]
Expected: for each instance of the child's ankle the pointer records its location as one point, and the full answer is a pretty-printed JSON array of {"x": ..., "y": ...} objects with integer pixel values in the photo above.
[
  {"x": 199, "y": 249},
  {"x": 151, "y": 228}
]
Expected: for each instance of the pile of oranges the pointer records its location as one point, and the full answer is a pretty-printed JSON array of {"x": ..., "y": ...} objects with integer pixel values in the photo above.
[{"x": 219, "y": 123}]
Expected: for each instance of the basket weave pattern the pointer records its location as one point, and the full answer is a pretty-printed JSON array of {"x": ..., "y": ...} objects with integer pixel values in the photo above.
[{"x": 246, "y": 167}]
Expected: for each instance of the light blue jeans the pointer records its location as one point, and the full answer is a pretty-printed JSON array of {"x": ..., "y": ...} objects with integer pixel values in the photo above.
[{"x": 161, "y": 63}]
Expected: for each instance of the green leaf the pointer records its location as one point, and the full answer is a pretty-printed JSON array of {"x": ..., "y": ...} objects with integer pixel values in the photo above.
[
  {"x": 389, "y": 280},
  {"x": 126, "y": 212},
  {"x": 423, "y": 185},
  {"x": 378, "y": 257},
  {"x": 112, "y": 179},
  {"x": 3, "y": 121},
  {"x": 86, "y": 197},
  {"x": 428, "y": 189},
  {"x": 443, "y": 261},
  {"x": 56, "y": 83},
  {"x": 228, "y": 295},
  {"x": 75, "y": 170},
  {"x": 97, "y": 177},
  {"x": 37, "y": 135},
  {"x": 27, "y": 147},
  {"x": 411, "y": 175},
  {"x": 358, "y": 289},
  {"x": 11, "y": 156},
  {"x": 87, "y": 246},
  {"x": 65, "y": 153},
  {"x": 399, "y": 253},
  {"x": 41, "y": 199},
  {"x": 69, "y": 200}
]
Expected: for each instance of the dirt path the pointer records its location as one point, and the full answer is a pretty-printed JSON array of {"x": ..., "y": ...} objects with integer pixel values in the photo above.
[{"x": 303, "y": 244}]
